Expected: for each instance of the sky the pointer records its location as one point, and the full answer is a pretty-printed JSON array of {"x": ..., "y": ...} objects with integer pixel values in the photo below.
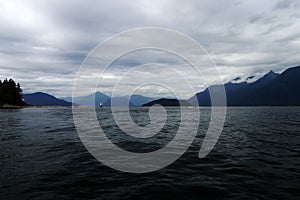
[{"x": 43, "y": 43}]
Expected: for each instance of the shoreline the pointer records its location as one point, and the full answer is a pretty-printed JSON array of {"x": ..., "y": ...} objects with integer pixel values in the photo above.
[{"x": 20, "y": 107}]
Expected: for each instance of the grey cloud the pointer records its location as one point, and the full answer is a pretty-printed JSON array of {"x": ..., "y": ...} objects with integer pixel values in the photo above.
[
  {"x": 283, "y": 4},
  {"x": 255, "y": 19},
  {"x": 289, "y": 38},
  {"x": 42, "y": 43},
  {"x": 273, "y": 28},
  {"x": 295, "y": 16}
]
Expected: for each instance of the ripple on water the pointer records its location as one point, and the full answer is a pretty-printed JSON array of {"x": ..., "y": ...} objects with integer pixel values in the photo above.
[{"x": 257, "y": 157}]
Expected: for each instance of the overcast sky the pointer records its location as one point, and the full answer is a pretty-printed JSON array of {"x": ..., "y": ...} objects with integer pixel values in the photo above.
[{"x": 43, "y": 43}]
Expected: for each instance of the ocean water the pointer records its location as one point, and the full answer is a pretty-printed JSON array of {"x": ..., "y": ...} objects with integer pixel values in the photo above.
[{"x": 256, "y": 157}]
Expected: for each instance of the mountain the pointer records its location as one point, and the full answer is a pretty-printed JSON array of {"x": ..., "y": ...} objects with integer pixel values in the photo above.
[
  {"x": 68, "y": 99},
  {"x": 118, "y": 102},
  {"x": 44, "y": 99},
  {"x": 238, "y": 93},
  {"x": 168, "y": 102},
  {"x": 139, "y": 100},
  {"x": 271, "y": 89},
  {"x": 265, "y": 80},
  {"x": 89, "y": 100},
  {"x": 134, "y": 100},
  {"x": 284, "y": 90},
  {"x": 234, "y": 92}
]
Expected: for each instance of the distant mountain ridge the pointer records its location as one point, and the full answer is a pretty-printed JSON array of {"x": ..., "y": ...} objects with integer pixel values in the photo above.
[
  {"x": 98, "y": 97},
  {"x": 89, "y": 100},
  {"x": 271, "y": 90},
  {"x": 44, "y": 99}
]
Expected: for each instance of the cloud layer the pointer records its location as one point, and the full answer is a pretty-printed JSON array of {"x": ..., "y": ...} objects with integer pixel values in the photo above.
[{"x": 42, "y": 43}]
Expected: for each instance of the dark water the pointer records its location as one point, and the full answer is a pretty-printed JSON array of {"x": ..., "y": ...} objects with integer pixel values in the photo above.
[{"x": 257, "y": 157}]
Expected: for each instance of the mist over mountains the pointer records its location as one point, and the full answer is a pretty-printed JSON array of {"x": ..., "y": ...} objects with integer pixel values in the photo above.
[{"x": 271, "y": 90}]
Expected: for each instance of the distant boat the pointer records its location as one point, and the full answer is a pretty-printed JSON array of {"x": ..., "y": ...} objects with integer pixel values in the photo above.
[{"x": 100, "y": 105}]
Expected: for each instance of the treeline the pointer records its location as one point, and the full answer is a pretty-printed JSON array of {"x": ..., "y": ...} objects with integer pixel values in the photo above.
[{"x": 11, "y": 93}]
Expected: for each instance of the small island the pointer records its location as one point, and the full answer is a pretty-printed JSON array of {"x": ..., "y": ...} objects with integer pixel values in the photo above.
[{"x": 168, "y": 102}]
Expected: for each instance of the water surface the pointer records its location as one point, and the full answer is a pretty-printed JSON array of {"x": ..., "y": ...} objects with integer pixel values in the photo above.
[{"x": 256, "y": 157}]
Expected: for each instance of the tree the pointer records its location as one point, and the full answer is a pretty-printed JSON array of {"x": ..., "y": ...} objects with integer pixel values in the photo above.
[{"x": 11, "y": 93}]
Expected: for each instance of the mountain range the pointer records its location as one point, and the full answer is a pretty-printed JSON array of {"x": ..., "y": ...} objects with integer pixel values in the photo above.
[
  {"x": 44, "y": 99},
  {"x": 105, "y": 100},
  {"x": 272, "y": 89},
  {"x": 89, "y": 100}
]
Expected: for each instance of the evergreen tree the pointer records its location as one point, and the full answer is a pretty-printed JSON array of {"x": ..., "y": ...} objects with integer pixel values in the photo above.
[{"x": 11, "y": 93}]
